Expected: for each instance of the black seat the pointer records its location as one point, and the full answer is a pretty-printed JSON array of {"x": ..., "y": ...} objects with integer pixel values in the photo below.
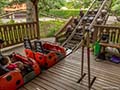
[
  {"x": 105, "y": 38},
  {"x": 27, "y": 69},
  {"x": 38, "y": 46},
  {"x": 27, "y": 43},
  {"x": 2, "y": 69}
]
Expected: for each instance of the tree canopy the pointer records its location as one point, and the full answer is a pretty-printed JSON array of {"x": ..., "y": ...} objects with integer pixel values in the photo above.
[
  {"x": 116, "y": 6},
  {"x": 3, "y": 3},
  {"x": 46, "y": 5}
]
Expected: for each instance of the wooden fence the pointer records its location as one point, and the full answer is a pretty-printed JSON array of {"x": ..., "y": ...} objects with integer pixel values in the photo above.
[
  {"x": 15, "y": 33},
  {"x": 111, "y": 30}
]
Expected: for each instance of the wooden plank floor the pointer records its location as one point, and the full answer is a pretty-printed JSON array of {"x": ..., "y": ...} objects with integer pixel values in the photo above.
[{"x": 65, "y": 74}]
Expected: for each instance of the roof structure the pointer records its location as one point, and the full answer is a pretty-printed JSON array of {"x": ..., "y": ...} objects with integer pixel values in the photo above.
[
  {"x": 16, "y": 7},
  {"x": 21, "y": 6}
]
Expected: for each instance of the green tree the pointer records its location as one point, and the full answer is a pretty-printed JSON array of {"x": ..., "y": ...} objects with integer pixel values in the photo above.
[
  {"x": 116, "y": 9},
  {"x": 86, "y": 3},
  {"x": 116, "y": 6},
  {"x": 77, "y": 4},
  {"x": 43, "y": 5},
  {"x": 46, "y": 5},
  {"x": 74, "y": 4},
  {"x": 3, "y": 3}
]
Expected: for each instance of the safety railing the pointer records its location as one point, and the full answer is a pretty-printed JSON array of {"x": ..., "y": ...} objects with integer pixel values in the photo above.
[
  {"x": 15, "y": 33},
  {"x": 112, "y": 31}
]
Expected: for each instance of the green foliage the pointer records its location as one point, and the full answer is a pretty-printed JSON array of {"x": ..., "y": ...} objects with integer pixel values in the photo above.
[
  {"x": 46, "y": 5},
  {"x": 116, "y": 7},
  {"x": 11, "y": 21},
  {"x": 64, "y": 13},
  {"x": 3, "y": 3},
  {"x": 43, "y": 5},
  {"x": 74, "y": 4},
  {"x": 1, "y": 22},
  {"x": 77, "y": 4},
  {"x": 49, "y": 28},
  {"x": 86, "y": 3},
  {"x": 116, "y": 23}
]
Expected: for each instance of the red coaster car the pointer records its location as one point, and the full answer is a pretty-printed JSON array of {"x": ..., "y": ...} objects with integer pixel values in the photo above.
[
  {"x": 29, "y": 49},
  {"x": 54, "y": 47},
  {"x": 45, "y": 58},
  {"x": 10, "y": 80},
  {"x": 16, "y": 70},
  {"x": 29, "y": 63}
]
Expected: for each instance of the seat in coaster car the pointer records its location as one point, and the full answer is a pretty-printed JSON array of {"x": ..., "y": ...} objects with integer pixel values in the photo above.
[
  {"x": 39, "y": 47},
  {"x": 2, "y": 69},
  {"x": 27, "y": 63},
  {"x": 27, "y": 43},
  {"x": 27, "y": 69}
]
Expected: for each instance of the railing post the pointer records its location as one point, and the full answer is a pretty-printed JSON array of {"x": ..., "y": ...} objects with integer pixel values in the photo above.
[{"x": 95, "y": 33}]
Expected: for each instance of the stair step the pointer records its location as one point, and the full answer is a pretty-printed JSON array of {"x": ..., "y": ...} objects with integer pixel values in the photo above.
[
  {"x": 77, "y": 38},
  {"x": 78, "y": 34},
  {"x": 69, "y": 46},
  {"x": 73, "y": 42}
]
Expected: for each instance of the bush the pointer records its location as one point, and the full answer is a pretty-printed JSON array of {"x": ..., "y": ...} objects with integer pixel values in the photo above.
[
  {"x": 11, "y": 21},
  {"x": 8, "y": 22},
  {"x": 116, "y": 23},
  {"x": 64, "y": 13}
]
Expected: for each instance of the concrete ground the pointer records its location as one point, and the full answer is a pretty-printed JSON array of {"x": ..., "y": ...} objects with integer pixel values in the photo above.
[{"x": 111, "y": 20}]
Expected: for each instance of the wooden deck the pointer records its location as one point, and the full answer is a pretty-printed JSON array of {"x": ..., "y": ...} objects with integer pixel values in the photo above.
[{"x": 65, "y": 74}]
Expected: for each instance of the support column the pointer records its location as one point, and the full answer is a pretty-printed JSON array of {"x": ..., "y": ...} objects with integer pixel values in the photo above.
[
  {"x": 37, "y": 18},
  {"x": 30, "y": 11},
  {"x": 32, "y": 15},
  {"x": 86, "y": 43}
]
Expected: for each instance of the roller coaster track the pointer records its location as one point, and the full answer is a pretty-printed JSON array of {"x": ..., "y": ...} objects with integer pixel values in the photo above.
[{"x": 75, "y": 39}]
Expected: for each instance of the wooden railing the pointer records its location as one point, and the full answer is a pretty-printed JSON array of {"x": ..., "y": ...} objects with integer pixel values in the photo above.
[
  {"x": 61, "y": 33},
  {"x": 112, "y": 30},
  {"x": 15, "y": 33}
]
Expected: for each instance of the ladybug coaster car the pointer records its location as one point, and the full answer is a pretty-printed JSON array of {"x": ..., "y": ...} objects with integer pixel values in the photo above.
[
  {"x": 43, "y": 54},
  {"x": 54, "y": 47},
  {"x": 15, "y": 70},
  {"x": 49, "y": 57}
]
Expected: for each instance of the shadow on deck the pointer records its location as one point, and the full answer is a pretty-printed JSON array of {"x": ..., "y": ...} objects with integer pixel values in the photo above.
[{"x": 65, "y": 74}]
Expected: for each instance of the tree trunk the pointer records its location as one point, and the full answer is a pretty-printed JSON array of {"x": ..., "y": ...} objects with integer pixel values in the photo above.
[
  {"x": 30, "y": 11},
  {"x": 32, "y": 14}
]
